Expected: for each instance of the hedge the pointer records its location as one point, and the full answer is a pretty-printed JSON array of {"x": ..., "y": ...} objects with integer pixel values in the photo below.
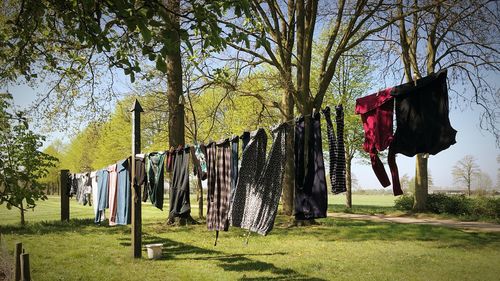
[{"x": 460, "y": 205}]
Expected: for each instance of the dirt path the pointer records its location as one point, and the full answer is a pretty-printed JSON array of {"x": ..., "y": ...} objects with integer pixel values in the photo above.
[{"x": 465, "y": 225}]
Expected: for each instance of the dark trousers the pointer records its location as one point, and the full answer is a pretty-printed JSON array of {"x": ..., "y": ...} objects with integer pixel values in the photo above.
[
  {"x": 179, "y": 189},
  {"x": 310, "y": 182}
]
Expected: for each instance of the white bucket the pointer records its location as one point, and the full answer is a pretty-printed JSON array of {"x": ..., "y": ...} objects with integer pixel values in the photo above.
[{"x": 154, "y": 250}]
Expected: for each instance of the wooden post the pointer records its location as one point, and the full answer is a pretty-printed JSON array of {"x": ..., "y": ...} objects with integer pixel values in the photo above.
[
  {"x": 17, "y": 263},
  {"x": 64, "y": 195},
  {"x": 25, "y": 267},
  {"x": 136, "y": 191}
]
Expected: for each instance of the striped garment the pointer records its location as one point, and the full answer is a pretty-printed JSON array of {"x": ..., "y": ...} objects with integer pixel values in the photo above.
[
  {"x": 340, "y": 167},
  {"x": 219, "y": 185},
  {"x": 337, "y": 149}
]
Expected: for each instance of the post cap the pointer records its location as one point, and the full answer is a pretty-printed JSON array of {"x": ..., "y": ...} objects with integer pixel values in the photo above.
[{"x": 136, "y": 107}]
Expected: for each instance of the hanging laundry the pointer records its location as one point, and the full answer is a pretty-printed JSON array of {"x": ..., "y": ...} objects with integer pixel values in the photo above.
[
  {"x": 179, "y": 188},
  {"x": 155, "y": 163},
  {"x": 376, "y": 112},
  {"x": 422, "y": 121},
  {"x": 93, "y": 181},
  {"x": 123, "y": 198},
  {"x": 102, "y": 194},
  {"x": 219, "y": 185},
  {"x": 234, "y": 161},
  {"x": 87, "y": 189},
  {"x": 337, "y": 149},
  {"x": 113, "y": 185},
  {"x": 74, "y": 185},
  {"x": 252, "y": 163},
  {"x": 170, "y": 159},
  {"x": 257, "y": 193},
  {"x": 198, "y": 152},
  {"x": 311, "y": 197},
  {"x": 69, "y": 184},
  {"x": 245, "y": 138},
  {"x": 83, "y": 188},
  {"x": 140, "y": 175},
  {"x": 200, "y": 160}
]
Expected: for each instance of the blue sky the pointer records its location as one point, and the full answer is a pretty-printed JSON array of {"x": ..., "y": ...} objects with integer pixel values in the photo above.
[{"x": 470, "y": 140}]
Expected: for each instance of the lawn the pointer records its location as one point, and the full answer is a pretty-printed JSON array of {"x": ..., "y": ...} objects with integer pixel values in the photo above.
[
  {"x": 336, "y": 249},
  {"x": 50, "y": 209},
  {"x": 364, "y": 204}
]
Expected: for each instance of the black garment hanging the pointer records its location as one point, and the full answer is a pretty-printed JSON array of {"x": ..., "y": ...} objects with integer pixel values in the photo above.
[
  {"x": 180, "y": 205},
  {"x": 337, "y": 149},
  {"x": 245, "y": 138},
  {"x": 311, "y": 197},
  {"x": 140, "y": 175},
  {"x": 234, "y": 161},
  {"x": 423, "y": 124}
]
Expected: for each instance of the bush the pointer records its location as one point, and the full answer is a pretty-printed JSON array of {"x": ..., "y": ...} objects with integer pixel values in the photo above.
[
  {"x": 404, "y": 203},
  {"x": 487, "y": 207},
  {"x": 459, "y": 205},
  {"x": 449, "y": 204}
]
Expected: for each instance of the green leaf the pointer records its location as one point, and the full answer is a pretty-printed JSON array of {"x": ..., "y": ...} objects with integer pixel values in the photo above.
[
  {"x": 145, "y": 32},
  {"x": 160, "y": 64},
  {"x": 30, "y": 201}
]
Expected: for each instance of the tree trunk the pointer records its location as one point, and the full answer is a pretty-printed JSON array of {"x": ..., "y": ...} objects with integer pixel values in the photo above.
[
  {"x": 174, "y": 88},
  {"x": 289, "y": 177},
  {"x": 21, "y": 208},
  {"x": 348, "y": 181},
  {"x": 174, "y": 78},
  {"x": 421, "y": 184}
]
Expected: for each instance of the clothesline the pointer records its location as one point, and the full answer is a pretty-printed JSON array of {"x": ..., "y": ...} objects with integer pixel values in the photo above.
[{"x": 186, "y": 146}]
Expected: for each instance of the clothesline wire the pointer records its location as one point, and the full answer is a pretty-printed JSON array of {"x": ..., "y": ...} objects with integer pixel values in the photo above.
[{"x": 185, "y": 146}]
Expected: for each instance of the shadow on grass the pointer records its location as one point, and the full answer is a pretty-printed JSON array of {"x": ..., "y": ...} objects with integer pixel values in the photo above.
[
  {"x": 82, "y": 226},
  {"x": 241, "y": 263},
  {"x": 336, "y": 229}
]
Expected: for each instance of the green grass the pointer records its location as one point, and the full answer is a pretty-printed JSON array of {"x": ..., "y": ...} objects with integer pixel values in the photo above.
[
  {"x": 337, "y": 249},
  {"x": 363, "y": 204}
]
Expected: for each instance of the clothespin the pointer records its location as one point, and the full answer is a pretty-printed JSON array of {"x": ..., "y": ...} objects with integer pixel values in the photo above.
[{"x": 415, "y": 78}]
